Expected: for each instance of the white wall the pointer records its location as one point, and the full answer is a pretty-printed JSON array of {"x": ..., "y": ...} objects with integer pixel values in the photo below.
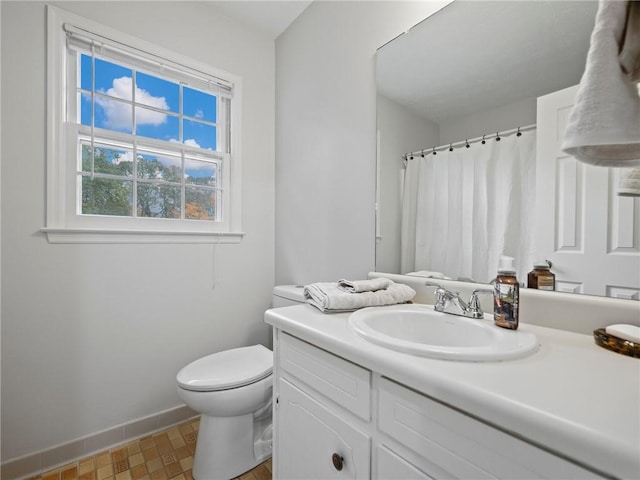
[
  {"x": 400, "y": 131},
  {"x": 504, "y": 117},
  {"x": 326, "y": 136},
  {"x": 93, "y": 335}
]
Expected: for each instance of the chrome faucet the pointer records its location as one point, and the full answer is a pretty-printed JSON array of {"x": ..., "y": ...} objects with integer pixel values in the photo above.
[{"x": 450, "y": 302}]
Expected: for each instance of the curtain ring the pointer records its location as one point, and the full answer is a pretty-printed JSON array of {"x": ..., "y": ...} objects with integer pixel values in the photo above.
[
  {"x": 519, "y": 133},
  {"x": 451, "y": 147},
  {"x": 434, "y": 151},
  {"x": 497, "y": 136},
  {"x": 422, "y": 153},
  {"x": 483, "y": 140},
  {"x": 467, "y": 143}
]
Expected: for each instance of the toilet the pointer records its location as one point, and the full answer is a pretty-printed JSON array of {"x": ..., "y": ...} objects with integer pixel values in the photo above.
[{"x": 232, "y": 391}]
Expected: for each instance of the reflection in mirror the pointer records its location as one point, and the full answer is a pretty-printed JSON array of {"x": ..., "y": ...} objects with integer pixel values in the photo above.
[{"x": 474, "y": 70}]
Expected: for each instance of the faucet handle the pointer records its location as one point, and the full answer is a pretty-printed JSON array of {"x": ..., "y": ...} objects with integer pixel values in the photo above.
[
  {"x": 474, "y": 310},
  {"x": 440, "y": 295}
]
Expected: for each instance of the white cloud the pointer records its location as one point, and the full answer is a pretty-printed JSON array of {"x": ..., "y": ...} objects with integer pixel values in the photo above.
[
  {"x": 118, "y": 115},
  {"x": 199, "y": 114}
]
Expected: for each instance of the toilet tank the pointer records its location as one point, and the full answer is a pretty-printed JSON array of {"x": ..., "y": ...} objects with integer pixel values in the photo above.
[{"x": 285, "y": 295}]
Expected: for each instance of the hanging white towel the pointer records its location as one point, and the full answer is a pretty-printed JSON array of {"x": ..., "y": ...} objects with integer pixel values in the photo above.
[
  {"x": 359, "y": 286},
  {"x": 630, "y": 51},
  {"x": 329, "y": 298},
  {"x": 604, "y": 124}
]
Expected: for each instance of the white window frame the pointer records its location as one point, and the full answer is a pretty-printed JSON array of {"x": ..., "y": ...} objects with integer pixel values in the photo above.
[{"x": 63, "y": 223}]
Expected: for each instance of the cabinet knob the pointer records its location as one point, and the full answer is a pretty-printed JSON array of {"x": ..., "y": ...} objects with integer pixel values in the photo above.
[{"x": 338, "y": 461}]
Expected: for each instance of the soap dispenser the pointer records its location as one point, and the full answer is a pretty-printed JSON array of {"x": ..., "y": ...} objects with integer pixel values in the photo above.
[
  {"x": 506, "y": 293},
  {"x": 541, "y": 277}
]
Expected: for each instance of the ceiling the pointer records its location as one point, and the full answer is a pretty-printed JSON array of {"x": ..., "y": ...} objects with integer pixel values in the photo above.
[
  {"x": 473, "y": 56},
  {"x": 269, "y": 16}
]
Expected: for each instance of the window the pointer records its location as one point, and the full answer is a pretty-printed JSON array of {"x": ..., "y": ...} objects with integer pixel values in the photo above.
[{"x": 143, "y": 143}]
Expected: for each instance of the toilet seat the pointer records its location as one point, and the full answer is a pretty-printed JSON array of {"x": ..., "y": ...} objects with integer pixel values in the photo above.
[{"x": 228, "y": 369}]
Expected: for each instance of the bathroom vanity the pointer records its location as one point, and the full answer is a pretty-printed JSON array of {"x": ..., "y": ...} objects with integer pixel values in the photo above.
[{"x": 347, "y": 408}]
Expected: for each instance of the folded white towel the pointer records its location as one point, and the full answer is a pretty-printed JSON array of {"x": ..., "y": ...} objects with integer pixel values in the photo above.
[
  {"x": 329, "y": 298},
  {"x": 604, "y": 124},
  {"x": 629, "y": 184},
  {"x": 359, "y": 286}
]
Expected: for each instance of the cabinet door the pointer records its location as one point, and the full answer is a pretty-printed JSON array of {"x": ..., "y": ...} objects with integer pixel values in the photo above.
[
  {"x": 462, "y": 446},
  {"x": 313, "y": 443}
]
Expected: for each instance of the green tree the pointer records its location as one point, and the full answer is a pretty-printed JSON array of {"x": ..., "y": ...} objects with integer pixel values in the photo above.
[
  {"x": 158, "y": 200},
  {"x": 104, "y": 196}
]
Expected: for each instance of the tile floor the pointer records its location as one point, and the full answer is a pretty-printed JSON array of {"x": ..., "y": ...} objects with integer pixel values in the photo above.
[{"x": 166, "y": 455}]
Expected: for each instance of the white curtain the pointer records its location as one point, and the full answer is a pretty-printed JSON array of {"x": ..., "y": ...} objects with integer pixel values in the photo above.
[{"x": 461, "y": 210}]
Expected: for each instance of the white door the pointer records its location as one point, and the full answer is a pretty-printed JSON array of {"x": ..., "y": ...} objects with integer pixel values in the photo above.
[
  {"x": 313, "y": 443},
  {"x": 591, "y": 235}
]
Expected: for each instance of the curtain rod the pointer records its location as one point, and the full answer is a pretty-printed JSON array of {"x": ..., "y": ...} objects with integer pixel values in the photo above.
[{"x": 467, "y": 142}]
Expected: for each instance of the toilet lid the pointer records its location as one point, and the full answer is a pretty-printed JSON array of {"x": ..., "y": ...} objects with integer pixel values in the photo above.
[{"x": 228, "y": 369}]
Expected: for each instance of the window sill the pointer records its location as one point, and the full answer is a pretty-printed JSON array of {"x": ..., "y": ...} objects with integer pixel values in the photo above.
[{"x": 86, "y": 235}]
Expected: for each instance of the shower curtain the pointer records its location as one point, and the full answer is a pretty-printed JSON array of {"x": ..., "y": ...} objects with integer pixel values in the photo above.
[{"x": 464, "y": 208}]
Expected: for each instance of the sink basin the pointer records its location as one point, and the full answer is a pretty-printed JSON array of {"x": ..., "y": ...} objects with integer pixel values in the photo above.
[{"x": 420, "y": 330}]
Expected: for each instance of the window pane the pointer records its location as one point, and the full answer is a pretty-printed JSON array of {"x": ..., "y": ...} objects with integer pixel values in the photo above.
[
  {"x": 199, "y": 104},
  {"x": 201, "y": 173},
  {"x": 85, "y": 72},
  {"x": 103, "y": 196},
  {"x": 159, "y": 167},
  {"x": 198, "y": 134},
  {"x": 162, "y": 180},
  {"x": 113, "y": 114},
  {"x": 150, "y": 123},
  {"x": 159, "y": 201},
  {"x": 200, "y": 203},
  {"x": 157, "y": 93},
  {"x": 85, "y": 108},
  {"x": 113, "y": 80},
  {"x": 108, "y": 160}
]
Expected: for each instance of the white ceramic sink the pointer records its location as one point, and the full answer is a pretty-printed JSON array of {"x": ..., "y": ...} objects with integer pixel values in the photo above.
[{"x": 420, "y": 330}]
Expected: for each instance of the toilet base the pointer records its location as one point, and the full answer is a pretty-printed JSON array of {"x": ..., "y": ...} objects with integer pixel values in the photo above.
[{"x": 229, "y": 446}]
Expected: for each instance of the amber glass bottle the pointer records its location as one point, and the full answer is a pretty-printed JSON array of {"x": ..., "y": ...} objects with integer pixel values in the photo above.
[
  {"x": 506, "y": 295},
  {"x": 541, "y": 277}
]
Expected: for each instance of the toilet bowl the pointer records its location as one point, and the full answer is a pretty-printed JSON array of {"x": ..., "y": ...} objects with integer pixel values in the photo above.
[{"x": 232, "y": 390}]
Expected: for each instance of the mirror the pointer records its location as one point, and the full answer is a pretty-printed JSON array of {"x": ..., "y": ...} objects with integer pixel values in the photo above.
[{"x": 471, "y": 69}]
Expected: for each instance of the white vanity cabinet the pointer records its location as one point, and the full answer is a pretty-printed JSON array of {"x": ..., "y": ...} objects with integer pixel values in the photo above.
[
  {"x": 321, "y": 401},
  {"x": 335, "y": 419}
]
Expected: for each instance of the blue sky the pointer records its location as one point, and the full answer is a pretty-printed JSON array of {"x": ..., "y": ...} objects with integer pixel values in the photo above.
[{"x": 116, "y": 82}]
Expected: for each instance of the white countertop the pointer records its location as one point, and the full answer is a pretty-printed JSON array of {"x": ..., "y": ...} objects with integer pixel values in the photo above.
[{"x": 572, "y": 396}]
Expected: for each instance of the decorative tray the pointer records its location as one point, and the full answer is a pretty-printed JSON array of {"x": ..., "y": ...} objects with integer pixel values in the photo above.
[{"x": 615, "y": 344}]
